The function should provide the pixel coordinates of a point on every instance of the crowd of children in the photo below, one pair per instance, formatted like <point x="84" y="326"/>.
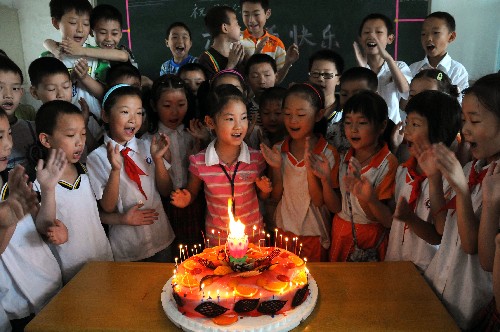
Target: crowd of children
<point x="382" y="161"/>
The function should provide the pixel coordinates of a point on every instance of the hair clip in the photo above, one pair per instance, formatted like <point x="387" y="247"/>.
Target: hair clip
<point x="439" y="76"/>
<point x="113" y="88"/>
<point x="227" y="71"/>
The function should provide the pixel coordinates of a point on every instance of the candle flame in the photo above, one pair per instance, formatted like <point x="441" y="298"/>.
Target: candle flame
<point x="236" y="228"/>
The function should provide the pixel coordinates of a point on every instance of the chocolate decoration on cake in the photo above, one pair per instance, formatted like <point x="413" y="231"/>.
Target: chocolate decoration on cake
<point x="246" y="305"/>
<point x="210" y="309"/>
<point x="271" y="307"/>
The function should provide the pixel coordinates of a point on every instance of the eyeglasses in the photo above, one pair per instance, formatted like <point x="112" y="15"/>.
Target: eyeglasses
<point x="326" y="76"/>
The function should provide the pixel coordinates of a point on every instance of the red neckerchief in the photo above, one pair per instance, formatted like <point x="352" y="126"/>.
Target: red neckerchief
<point x="133" y="171"/>
<point x="475" y="178"/>
<point x="416" y="181"/>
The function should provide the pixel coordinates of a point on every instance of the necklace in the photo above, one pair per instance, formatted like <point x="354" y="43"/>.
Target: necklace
<point x="369" y="157"/>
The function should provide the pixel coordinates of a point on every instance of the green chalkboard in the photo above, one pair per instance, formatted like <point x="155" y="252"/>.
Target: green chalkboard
<point x="311" y="24"/>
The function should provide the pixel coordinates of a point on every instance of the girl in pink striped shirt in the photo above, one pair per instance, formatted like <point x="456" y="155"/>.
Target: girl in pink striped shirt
<point x="227" y="167"/>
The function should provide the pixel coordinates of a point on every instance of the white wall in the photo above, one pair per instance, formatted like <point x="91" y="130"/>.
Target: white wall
<point x="477" y="45"/>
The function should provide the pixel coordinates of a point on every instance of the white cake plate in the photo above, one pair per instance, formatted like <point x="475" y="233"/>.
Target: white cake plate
<point x="276" y="323"/>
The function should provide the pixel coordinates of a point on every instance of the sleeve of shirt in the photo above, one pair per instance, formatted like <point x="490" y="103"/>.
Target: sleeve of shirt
<point x="462" y="79"/>
<point x="334" y="160"/>
<point x="407" y="73"/>
<point x="385" y="189"/>
<point x="193" y="166"/>
<point x="205" y="61"/>
<point x="280" y="55"/>
<point x="98" y="175"/>
<point x="163" y="69"/>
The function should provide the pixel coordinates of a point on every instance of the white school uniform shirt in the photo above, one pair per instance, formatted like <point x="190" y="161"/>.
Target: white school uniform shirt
<point x="4" y="320"/>
<point x="456" y="277"/>
<point x="388" y="90"/>
<point x="454" y="69"/>
<point x="132" y="243"/>
<point x="404" y="245"/>
<point x="29" y="271"/>
<point x="295" y="212"/>
<point x="181" y="143"/>
<point x="76" y="207"/>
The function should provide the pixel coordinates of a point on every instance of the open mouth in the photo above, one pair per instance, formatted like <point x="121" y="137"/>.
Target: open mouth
<point x="355" y="139"/>
<point x="77" y="154"/>
<point x="473" y="145"/>
<point x="107" y="45"/>
<point x="7" y="105"/>
<point x="236" y="135"/>
<point x="430" y="48"/>
<point x="2" y="159"/>
<point x="371" y="44"/>
<point x="130" y="131"/>
<point x="179" y="49"/>
<point x="78" y="39"/>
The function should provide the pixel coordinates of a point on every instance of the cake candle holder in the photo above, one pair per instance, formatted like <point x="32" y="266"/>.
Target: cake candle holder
<point x="237" y="240"/>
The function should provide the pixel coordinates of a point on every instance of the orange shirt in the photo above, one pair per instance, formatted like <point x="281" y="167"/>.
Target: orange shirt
<point x="274" y="46"/>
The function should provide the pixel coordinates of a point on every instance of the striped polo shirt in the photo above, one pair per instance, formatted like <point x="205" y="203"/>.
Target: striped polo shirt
<point x="274" y="46"/>
<point x="207" y="166"/>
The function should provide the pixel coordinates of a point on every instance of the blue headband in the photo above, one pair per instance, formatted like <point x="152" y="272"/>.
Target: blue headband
<point x="113" y="88"/>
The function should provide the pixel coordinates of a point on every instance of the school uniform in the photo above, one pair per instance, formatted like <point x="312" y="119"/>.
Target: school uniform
<point x="187" y="223"/>
<point x="274" y="47"/>
<point x="388" y="90"/>
<point x="381" y="173"/>
<point x="216" y="176"/>
<point x="132" y="243"/>
<point x="171" y="67"/>
<point x="29" y="273"/>
<point x="295" y="212"/>
<point x="454" y="69"/>
<point x="456" y="277"/>
<point x="404" y="245"/>
<point x="4" y="320"/>
<point x="77" y="209"/>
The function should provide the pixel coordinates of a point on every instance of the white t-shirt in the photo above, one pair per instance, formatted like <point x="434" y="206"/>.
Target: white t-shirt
<point x="29" y="271"/>
<point x="132" y="243"/>
<point x="456" y="277"/>
<point x="76" y="207"/>
<point x="388" y="90"/>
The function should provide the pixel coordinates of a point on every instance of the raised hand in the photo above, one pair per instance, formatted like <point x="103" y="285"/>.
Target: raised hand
<point x="320" y="166"/>
<point x="50" y="171"/>
<point x="198" y="130"/>
<point x="397" y="135"/>
<point x="21" y="195"/>
<point x="264" y="184"/>
<point x="236" y="55"/>
<point x="360" y="57"/>
<point x="426" y="159"/>
<point x="383" y="52"/>
<point x="114" y="156"/>
<point x="160" y="147"/>
<point x="260" y="45"/>
<point x="272" y="156"/>
<point x="450" y="167"/>
<point x="71" y="47"/>
<point x="85" y="110"/>
<point x="292" y="54"/>
<point x="57" y="233"/>
<point x="491" y="184"/>
<point x="136" y="217"/>
<point x="180" y="198"/>
<point x="81" y="69"/>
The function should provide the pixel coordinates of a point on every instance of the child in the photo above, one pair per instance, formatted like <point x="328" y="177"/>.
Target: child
<point x="170" y="104"/>
<point x="72" y="17"/>
<point x="438" y="31"/>
<point x="11" y="91"/>
<point x="115" y="170"/>
<point x="226" y="52"/>
<point x="123" y="73"/>
<point x="193" y="74"/>
<point x="178" y="39"/>
<point x="65" y="189"/>
<point x="241" y="168"/>
<point x="260" y="71"/>
<point x="256" y="39"/>
<point x="301" y="212"/>
<point x="271" y="115"/>
<point x="106" y="23"/>
<point x="376" y="32"/>
<point x="29" y="273"/>
<point x="367" y="171"/>
<point x="455" y="272"/>
<point x="433" y="117"/>
<point x="325" y="70"/>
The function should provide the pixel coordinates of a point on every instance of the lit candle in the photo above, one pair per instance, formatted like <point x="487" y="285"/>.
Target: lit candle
<point x="237" y="240"/>
<point x="276" y="237"/>
<point x="300" y="249"/>
<point x="286" y="243"/>
<point x="281" y="240"/>
<point x="254" y="228"/>
<point x="209" y="297"/>
<point x="195" y="249"/>
<point x="203" y="292"/>
<point x="176" y="262"/>
<point x="208" y="243"/>
<point x="268" y="243"/>
<point x="218" y="296"/>
<point x="218" y="232"/>
<point x="180" y="251"/>
<point x="187" y="250"/>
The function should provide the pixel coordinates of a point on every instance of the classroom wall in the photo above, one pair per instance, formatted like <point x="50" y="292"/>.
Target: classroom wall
<point x="477" y="46"/>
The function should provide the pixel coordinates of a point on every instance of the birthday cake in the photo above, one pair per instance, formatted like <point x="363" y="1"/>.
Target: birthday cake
<point x="270" y="281"/>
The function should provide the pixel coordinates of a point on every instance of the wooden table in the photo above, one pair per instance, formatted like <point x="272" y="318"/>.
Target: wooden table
<point x="115" y="296"/>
